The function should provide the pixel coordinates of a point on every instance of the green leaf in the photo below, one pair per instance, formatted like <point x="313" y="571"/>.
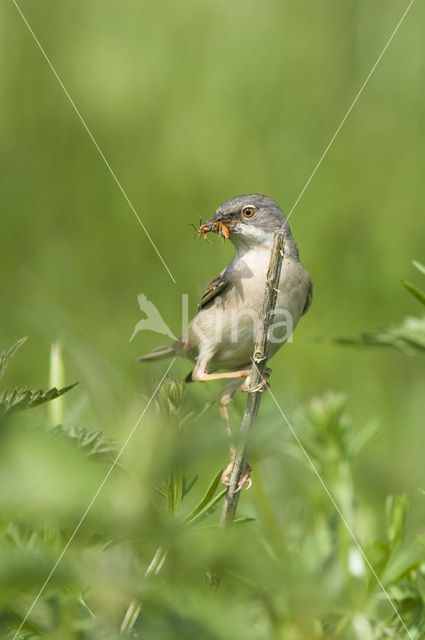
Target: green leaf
<point x="5" y="356"/>
<point x="187" y="486"/>
<point x="364" y="438"/>
<point x="408" y="336"/>
<point x="207" y="509"/>
<point x="156" y="563"/>
<point x="206" y="498"/>
<point x="21" y="399"/>
<point x="396" y="512"/>
<point x="162" y="490"/>
<point x="400" y="563"/>
<point x="130" y="618"/>
<point x="174" y="490"/>
<point x="243" y="519"/>
<point x="92" y="442"/>
<point x="419" y="266"/>
<point x="418" y="293"/>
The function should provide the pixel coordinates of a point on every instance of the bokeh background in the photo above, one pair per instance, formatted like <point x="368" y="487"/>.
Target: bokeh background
<point x="193" y="103"/>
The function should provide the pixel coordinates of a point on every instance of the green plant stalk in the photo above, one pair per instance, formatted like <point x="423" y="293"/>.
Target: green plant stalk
<point x="259" y="363"/>
<point x="56" y="379"/>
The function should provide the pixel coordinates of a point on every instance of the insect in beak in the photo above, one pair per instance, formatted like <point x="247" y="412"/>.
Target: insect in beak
<point x="201" y="229"/>
<point x="214" y="226"/>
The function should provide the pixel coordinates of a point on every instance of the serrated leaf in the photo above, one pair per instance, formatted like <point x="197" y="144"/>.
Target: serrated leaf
<point x="7" y="355"/>
<point x="93" y="443"/>
<point x="418" y="293"/>
<point x="21" y="399"/>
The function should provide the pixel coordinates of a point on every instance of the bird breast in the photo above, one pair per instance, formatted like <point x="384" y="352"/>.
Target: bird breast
<point x="224" y="331"/>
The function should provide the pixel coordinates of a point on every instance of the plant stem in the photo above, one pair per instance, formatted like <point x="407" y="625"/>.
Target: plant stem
<point x="259" y="363"/>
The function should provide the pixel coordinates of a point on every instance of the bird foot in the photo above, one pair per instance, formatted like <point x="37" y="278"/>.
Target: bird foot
<point x="245" y="478"/>
<point x="261" y="386"/>
<point x="225" y="476"/>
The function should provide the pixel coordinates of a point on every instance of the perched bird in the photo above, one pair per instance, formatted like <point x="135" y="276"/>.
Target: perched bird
<point x="222" y="334"/>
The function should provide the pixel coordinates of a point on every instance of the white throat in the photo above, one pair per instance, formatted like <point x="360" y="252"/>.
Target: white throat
<point x="252" y="237"/>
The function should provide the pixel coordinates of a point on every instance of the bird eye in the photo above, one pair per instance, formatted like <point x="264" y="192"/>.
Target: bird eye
<point x="248" y="211"/>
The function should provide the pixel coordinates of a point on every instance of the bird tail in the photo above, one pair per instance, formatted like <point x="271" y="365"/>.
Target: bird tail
<point x="160" y="352"/>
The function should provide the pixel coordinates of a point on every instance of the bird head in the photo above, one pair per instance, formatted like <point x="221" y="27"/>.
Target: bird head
<point x="247" y="220"/>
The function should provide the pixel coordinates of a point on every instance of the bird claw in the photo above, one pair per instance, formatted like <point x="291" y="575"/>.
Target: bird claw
<point x="225" y="476"/>
<point x="261" y="386"/>
<point x="245" y="478"/>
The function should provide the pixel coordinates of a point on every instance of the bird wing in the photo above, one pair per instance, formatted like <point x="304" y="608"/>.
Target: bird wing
<point x="215" y="287"/>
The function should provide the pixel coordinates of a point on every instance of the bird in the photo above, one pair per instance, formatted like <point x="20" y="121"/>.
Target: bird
<point x="221" y="338"/>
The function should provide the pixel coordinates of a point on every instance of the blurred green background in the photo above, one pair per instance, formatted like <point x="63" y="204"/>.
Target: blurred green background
<point x="192" y="103"/>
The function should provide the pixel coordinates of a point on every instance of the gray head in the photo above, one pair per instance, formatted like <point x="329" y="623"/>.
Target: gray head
<point x="250" y="219"/>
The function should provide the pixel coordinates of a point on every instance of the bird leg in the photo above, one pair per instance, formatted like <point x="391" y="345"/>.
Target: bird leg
<point x="200" y="374"/>
<point x="246" y="386"/>
<point x="203" y="376"/>
<point x="225" y="476"/>
<point x="224" y="399"/>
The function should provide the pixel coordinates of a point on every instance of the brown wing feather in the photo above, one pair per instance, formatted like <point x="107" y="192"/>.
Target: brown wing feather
<point x="215" y="287"/>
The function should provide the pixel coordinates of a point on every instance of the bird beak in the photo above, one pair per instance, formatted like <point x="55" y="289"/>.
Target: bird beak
<point x="216" y="225"/>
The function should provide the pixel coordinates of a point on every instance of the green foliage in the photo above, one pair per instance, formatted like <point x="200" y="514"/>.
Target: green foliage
<point x="398" y="562"/>
<point x="5" y="356"/>
<point x="208" y="501"/>
<point x="20" y="399"/>
<point x="170" y="404"/>
<point x="193" y="103"/>
<point x="418" y="293"/>
<point x="183" y="588"/>
<point x="407" y="335"/>
<point x="328" y="433"/>
<point x="91" y="442"/>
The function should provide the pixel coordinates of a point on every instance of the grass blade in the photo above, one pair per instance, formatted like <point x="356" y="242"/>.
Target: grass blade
<point x="418" y="293"/>
<point x="206" y="498"/>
